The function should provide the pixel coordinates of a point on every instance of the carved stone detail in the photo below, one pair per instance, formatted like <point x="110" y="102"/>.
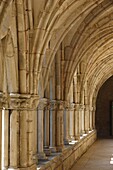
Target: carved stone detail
<point x="18" y="101"/>
<point x="43" y="104"/>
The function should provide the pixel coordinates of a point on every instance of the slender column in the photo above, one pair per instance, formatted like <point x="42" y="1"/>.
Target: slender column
<point x="5" y="138"/>
<point x="46" y="132"/>
<point x="91" y="118"/>
<point x="60" y="126"/>
<point x="53" y="125"/>
<point x="21" y="131"/>
<point x="86" y="112"/>
<point x="14" y="139"/>
<point x="72" y="120"/>
<point x="41" y="106"/>
<point x="0" y="138"/>
<point x="80" y="120"/>
<point x="66" y="125"/>
<point x="94" y="109"/>
<point x="47" y="123"/>
<point x="35" y="134"/>
<point x="82" y="115"/>
<point x="77" y="134"/>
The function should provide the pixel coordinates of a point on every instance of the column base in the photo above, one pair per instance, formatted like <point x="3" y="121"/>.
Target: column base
<point x="42" y="156"/>
<point x="32" y="167"/>
<point x="83" y="132"/>
<point x="86" y="131"/>
<point x="12" y="168"/>
<point x="72" y="138"/>
<point x="53" y="149"/>
<point x="66" y="142"/>
<point x="77" y="137"/>
<point x="60" y="148"/>
<point x="47" y="151"/>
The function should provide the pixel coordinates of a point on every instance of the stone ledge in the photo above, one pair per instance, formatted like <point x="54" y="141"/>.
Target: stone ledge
<point x="70" y="154"/>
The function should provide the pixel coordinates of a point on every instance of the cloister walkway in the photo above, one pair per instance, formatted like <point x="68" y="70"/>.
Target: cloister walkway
<point x="98" y="157"/>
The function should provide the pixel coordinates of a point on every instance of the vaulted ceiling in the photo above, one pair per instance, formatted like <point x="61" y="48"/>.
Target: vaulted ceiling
<point x="84" y="26"/>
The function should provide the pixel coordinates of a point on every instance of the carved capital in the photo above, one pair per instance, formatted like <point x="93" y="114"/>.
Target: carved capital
<point x="87" y="108"/>
<point x="60" y="105"/>
<point x="18" y="101"/>
<point x="43" y="103"/>
<point x="52" y="105"/>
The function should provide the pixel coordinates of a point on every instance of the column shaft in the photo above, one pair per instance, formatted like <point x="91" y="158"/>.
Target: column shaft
<point x="41" y="154"/>
<point x="14" y="138"/>
<point x="52" y="130"/>
<point x="66" y="127"/>
<point x="46" y="132"/>
<point x="60" y="130"/>
<point x="71" y="134"/>
<point x="23" y="138"/>
<point x="5" y="138"/>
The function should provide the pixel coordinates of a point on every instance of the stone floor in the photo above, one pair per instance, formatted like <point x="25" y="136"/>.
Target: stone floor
<point x="98" y="157"/>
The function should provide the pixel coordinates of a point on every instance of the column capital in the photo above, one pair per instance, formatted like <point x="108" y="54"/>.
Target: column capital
<point x="77" y="106"/>
<point x="91" y="108"/>
<point x="82" y="107"/>
<point x="87" y="107"/>
<point x="18" y="101"/>
<point x="56" y="105"/>
<point x="69" y="106"/>
<point x="43" y="104"/>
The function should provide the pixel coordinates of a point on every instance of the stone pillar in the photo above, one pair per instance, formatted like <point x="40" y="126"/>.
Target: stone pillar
<point x="22" y="153"/>
<point x="46" y="132"/>
<point x="0" y="137"/>
<point x="41" y="106"/>
<point x="83" y="119"/>
<point x="66" y="125"/>
<point x="91" y="119"/>
<point x="94" y="109"/>
<point x="14" y="125"/>
<point x="80" y="120"/>
<point x="5" y="139"/>
<point x="77" y="130"/>
<point x="72" y="121"/>
<point x="53" y="125"/>
<point x="60" y="127"/>
<point x="86" y="113"/>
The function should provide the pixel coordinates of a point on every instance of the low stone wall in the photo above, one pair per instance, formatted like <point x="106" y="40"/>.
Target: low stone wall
<point x="71" y="153"/>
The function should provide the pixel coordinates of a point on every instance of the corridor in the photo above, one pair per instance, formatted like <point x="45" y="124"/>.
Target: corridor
<point x="98" y="157"/>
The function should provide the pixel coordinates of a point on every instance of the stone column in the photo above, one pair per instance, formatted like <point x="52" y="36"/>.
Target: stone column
<point x="66" y="124"/>
<point x="53" y="125"/>
<point x="46" y="132"/>
<point x="41" y="106"/>
<point x="77" y="130"/>
<point x="60" y="126"/>
<point x="80" y="119"/>
<point x="91" y="119"/>
<point x="72" y="121"/>
<point x="0" y="137"/>
<point x="22" y="153"/>
<point x="86" y="113"/>
<point x="14" y="147"/>
<point x="5" y="139"/>
<point x="83" y="119"/>
<point x="94" y="109"/>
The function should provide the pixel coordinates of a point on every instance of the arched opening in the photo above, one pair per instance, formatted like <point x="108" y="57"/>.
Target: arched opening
<point x="104" y="122"/>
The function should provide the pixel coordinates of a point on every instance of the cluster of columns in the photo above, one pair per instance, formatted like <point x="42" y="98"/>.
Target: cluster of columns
<point x="59" y="123"/>
<point x="18" y="139"/>
<point x="28" y="134"/>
